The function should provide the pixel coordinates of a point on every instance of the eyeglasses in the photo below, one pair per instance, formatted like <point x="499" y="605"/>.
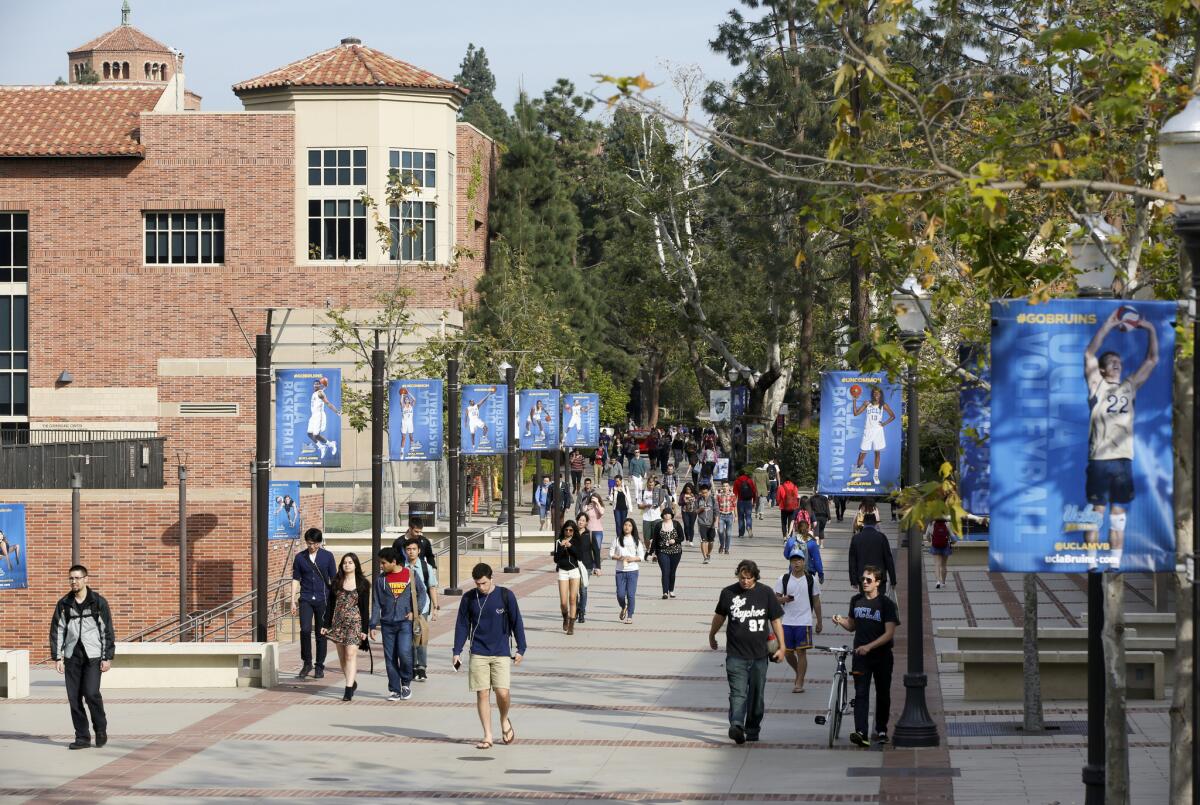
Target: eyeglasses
<point x="76" y="578"/>
<point x="869" y="580"/>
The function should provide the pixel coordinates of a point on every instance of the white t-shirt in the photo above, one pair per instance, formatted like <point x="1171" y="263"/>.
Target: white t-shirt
<point x="651" y="512"/>
<point x="798" y="612"/>
<point x="636" y="552"/>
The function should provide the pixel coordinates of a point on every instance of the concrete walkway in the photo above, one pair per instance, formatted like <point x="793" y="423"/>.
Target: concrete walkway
<point x="616" y="712"/>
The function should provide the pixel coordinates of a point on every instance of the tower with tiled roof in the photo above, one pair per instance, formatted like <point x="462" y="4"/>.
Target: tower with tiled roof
<point x="124" y="55"/>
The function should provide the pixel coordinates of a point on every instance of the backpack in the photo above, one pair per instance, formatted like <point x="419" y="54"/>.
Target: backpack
<point x="809" y="577"/>
<point x="791" y="498"/>
<point x="940" y="538"/>
<point x="802" y="516"/>
<point x="772" y="472"/>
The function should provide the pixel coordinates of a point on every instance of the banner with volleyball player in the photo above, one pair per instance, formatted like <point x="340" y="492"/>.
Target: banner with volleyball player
<point x="860" y="434"/>
<point x="308" y="417"/>
<point x="415" y="420"/>
<point x="484" y="415"/>
<point x="1081" y="468"/>
<point x="537" y="419"/>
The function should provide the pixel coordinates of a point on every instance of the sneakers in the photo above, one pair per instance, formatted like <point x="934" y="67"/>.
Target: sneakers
<point x="394" y="697"/>
<point x="101" y="739"/>
<point x="881" y="737"/>
<point x="581" y="618"/>
<point x="333" y="451"/>
<point x="319" y="673"/>
<point x="858" y="739"/>
<point x="405" y="693"/>
<point x="739" y="735"/>
<point x="305" y="671"/>
<point x="421" y="676"/>
<point x="705" y="562"/>
<point x="672" y="593"/>
<point x="80" y="743"/>
<point x="937" y="586"/>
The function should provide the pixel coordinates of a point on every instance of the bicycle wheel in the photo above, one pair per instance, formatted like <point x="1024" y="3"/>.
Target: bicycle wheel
<point x="835" y="710"/>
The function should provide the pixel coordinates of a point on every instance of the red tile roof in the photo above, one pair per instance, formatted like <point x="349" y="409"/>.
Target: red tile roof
<point x="73" y="120"/>
<point x="349" y="65"/>
<point x="123" y="37"/>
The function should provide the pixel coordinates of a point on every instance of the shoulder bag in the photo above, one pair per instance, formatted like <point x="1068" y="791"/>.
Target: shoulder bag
<point x="420" y="622"/>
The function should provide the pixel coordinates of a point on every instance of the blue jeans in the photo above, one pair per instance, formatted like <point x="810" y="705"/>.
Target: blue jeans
<point x="725" y="531"/>
<point x="397" y="640"/>
<point x="747" y="686"/>
<point x="620" y="515"/>
<point x="668" y="563"/>
<point x="627" y="590"/>
<point x="420" y="657"/>
<point x="598" y="538"/>
<point x="745" y="513"/>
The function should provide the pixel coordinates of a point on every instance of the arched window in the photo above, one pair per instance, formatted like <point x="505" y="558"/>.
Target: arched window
<point x="107" y="69"/>
<point x="162" y="71"/>
<point x="147" y="69"/>
<point x="154" y="71"/>
<point x="125" y="70"/>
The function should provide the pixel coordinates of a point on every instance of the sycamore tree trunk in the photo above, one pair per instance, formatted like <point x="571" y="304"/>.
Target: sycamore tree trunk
<point x="803" y="365"/>
<point x="653" y="375"/>
<point x="1116" y="737"/>
<point x="1182" y="729"/>
<point x="1031" y="673"/>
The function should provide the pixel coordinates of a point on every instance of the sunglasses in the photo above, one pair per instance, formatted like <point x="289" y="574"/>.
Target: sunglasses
<point x="869" y="580"/>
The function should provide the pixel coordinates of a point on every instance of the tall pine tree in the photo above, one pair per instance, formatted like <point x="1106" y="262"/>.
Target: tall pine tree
<point x="481" y="109"/>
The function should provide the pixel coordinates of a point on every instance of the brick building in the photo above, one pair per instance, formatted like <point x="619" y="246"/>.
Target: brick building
<point x="133" y="226"/>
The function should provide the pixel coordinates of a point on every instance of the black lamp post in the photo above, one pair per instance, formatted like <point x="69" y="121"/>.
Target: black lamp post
<point x="733" y="375"/>
<point x="915" y="727"/>
<point x="510" y="466"/>
<point x="502" y="517"/>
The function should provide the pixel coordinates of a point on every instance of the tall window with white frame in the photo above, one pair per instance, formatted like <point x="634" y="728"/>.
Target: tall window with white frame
<point x="14" y="314"/>
<point x="414" y="222"/>
<point x="337" y="219"/>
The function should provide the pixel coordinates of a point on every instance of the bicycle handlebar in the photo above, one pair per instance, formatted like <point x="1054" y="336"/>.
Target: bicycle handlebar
<point x="835" y="649"/>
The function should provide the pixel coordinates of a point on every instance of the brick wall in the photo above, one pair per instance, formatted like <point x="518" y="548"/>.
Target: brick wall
<point x="476" y="170"/>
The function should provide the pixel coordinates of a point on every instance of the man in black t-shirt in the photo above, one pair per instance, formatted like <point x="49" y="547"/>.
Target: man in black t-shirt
<point x="754" y="615"/>
<point x="873" y="618"/>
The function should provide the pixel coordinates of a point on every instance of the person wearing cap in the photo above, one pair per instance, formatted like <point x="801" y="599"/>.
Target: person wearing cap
<point x="799" y="592"/>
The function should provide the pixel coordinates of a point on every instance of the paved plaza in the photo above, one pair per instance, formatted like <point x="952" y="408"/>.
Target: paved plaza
<point x="627" y="713"/>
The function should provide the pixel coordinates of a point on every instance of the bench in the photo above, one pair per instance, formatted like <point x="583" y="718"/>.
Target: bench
<point x="1011" y="638"/>
<point x="969" y="553"/>
<point x="14" y="674"/>
<point x="998" y="675"/>
<point x="194" y="665"/>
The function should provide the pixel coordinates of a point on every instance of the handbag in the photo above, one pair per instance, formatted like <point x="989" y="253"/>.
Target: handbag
<point x="420" y="622"/>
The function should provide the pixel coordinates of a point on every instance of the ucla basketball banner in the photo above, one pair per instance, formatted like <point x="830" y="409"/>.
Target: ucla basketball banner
<point x="860" y="434"/>
<point x="581" y="420"/>
<point x="1081" y="436"/>
<point x="974" y="462"/>
<point x="484" y="415"/>
<point x="537" y="419"/>
<point x="14" y="575"/>
<point x="415" y="420"/>
<point x="285" y="520"/>
<point x="308" y="417"/>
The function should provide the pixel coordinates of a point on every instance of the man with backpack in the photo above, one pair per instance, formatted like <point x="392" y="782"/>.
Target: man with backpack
<point x="416" y="563"/>
<point x="941" y="545"/>
<point x="746" y="492"/>
<point x="818" y="504"/>
<point x="799" y="592"/>
<point x="788" y="499"/>
<point x="772" y="481"/>
<point x="82" y="646"/>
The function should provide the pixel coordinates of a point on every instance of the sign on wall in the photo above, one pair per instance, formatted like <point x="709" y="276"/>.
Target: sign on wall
<point x="285" y="520"/>
<point x="415" y="420"/>
<point x="537" y="419"/>
<point x="1081" y="455"/>
<point x="720" y="403"/>
<point x="484" y="414"/>
<point x="860" y="434"/>
<point x="308" y="417"/>
<point x="974" y="448"/>
<point x="581" y="420"/>
<point x="14" y="574"/>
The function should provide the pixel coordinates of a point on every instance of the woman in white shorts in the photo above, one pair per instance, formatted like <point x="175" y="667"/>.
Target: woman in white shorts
<point x="568" y="560"/>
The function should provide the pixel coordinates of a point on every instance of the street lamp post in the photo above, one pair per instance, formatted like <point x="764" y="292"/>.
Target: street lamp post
<point x="502" y="517"/>
<point x="510" y="466"/>
<point x="915" y="727"/>
<point x="733" y="375"/>
<point x="538" y="371"/>
<point x="1179" y="148"/>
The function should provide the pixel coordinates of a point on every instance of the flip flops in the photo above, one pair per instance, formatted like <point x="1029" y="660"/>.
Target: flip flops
<point x="484" y="745"/>
<point x="509" y="735"/>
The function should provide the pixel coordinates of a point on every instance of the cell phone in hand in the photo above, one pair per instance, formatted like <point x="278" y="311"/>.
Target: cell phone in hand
<point x="457" y="666"/>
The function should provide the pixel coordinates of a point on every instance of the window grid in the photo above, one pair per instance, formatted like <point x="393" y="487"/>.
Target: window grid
<point x="414" y="231"/>
<point x="337" y="166"/>
<point x="14" y="247"/>
<point x="415" y="167"/>
<point x="14" y="355"/>
<point x="185" y="237"/>
<point x="337" y="230"/>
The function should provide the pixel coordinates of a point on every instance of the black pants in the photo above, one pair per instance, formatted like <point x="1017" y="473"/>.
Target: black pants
<point x="819" y="526"/>
<point x="875" y="665"/>
<point x="83" y="686"/>
<point x="785" y="518"/>
<point x="312" y="611"/>
<point x="668" y="564"/>
<point x="576" y="480"/>
<point x="839" y="507"/>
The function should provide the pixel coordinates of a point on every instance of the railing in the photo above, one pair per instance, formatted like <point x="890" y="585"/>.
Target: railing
<point x="70" y="436"/>
<point x="49" y="461"/>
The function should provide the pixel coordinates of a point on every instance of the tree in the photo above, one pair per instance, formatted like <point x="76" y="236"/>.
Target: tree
<point x="481" y="109"/>
<point x="88" y="76"/>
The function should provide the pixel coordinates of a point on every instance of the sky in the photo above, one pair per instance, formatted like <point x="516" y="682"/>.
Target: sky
<point x="529" y="43"/>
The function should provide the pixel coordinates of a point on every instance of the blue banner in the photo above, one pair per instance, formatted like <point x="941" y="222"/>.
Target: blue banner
<point x="14" y="574"/>
<point x="1081" y="450"/>
<point x="974" y="463"/>
<point x="415" y="420"/>
<point x="741" y="400"/>
<point x="308" y="417"/>
<point x="484" y="417"/>
<point x="581" y="420"/>
<point x="860" y="434"/>
<point x="286" y="522"/>
<point x="537" y="419"/>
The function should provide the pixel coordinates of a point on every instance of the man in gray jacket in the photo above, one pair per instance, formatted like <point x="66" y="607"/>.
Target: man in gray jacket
<point x="706" y="520"/>
<point x="82" y="647"/>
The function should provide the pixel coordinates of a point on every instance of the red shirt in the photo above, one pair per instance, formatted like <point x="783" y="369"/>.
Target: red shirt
<point x="744" y="488"/>
<point x="397" y="581"/>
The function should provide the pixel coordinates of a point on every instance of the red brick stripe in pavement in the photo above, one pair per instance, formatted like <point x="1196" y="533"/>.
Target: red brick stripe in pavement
<point x="402" y="794"/>
<point x="1062" y="608"/>
<point x="1016" y="612"/>
<point x="966" y="602"/>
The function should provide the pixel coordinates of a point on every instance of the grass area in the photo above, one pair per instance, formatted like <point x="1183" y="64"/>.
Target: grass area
<point x="346" y="522"/>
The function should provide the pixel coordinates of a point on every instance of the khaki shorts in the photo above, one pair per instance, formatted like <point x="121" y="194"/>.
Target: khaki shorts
<point x="486" y="673"/>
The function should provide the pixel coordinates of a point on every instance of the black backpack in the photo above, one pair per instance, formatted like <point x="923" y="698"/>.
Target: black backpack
<point x="809" y="576"/>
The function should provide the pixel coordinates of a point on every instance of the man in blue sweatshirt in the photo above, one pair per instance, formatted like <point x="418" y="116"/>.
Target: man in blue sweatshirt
<point x="392" y="613"/>
<point x="490" y="618"/>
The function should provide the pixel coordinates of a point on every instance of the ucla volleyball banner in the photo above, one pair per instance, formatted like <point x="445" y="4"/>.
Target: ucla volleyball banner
<point x="860" y="434"/>
<point x="581" y="420"/>
<point x="974" y="449"/>
<point x="537" y="419"/>
<point x="308" y="417"/>
<point x="285" y="520"/>
<point x="484" y="414"/>
<point x="415" y="420"/>
<point x="1081" y="436"/>
<point x="14" y="575"/>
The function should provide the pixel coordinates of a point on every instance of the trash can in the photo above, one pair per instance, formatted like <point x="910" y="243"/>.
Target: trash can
<point x="422" y="513"/>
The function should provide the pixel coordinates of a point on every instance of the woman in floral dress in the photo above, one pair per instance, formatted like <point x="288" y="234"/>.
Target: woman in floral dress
<point x="347" y="620"/>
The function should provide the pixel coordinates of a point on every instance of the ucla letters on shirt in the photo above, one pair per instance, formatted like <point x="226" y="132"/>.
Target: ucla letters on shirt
<point x="870" y="615"/>
<point x="748" y="615"/>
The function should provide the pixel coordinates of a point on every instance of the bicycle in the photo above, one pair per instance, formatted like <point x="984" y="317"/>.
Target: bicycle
<point x="839" y="702"/>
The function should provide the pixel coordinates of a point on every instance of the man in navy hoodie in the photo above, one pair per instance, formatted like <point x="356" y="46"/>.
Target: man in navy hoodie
<point x="490" y="618"/>
<point x="392" y="613"/>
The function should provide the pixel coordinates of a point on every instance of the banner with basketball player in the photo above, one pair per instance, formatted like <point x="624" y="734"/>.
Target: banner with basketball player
<point x="1081" y="453"/>
<point x="285" y="520"/>
<point x="537" y="419"/>
<point x="308" y="417"/>
<point x="581" y="420"/>
<point x="415" y="420"/>
<point x="860" y="434"/>
<point x="14" y="575"/>
<point x="974" y="450"/>
<point x="484" y="414"/>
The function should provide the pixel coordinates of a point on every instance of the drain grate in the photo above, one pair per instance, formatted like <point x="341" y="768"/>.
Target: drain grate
<point x="902" y="771"/>
<point x="973" y="729"/>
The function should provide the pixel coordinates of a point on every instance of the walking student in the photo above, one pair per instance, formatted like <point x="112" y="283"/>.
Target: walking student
<point x="799" y="594"/>
<point x="490" y="620"/>
<point x="819" y="506"/>
<point x="687" y="507"/>
<point x="726" y="504"/>
<point x="392" y="612"/>
<point x="754" y="615"/>
<point x="706" y="521"/>
<point x="787" y="497"/>
<point x="627" y="551"/>
<point x="417" y="563"/>
<point x="622" y="502"/>
<point x="869" y="547"/>
<point x="941" y="545"/>
<point x="745" y="492"/>
<point x="667" y="545"/>
<point x="873" y="618"/>
<point x="312" y="575"/>
<point x="82" y="645"/>
<point x="542" y="498"/>
<point x="587" y="567"/>
<point x="595" y="519"/>
<point x="348" y="619"/>
<point x="568" y="561"/>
